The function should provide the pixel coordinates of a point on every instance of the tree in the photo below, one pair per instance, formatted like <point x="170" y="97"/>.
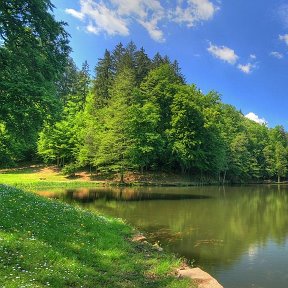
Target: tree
<point x="128" y="59"/>
<point x="186" y="133"/>
<point x="275" y="153"/>
<point x="281" y="160"/>
<point x="240" y="156"/>
<point x="214" y="158"/>
<point x="112" y="141"/>
<point x="60" y="140"/>
<point x="258" y="140"/>
<point x="82" y="85"/>
<point x="103" y="80"/>
<point x="117" y="58"/>
<point x="146" y="143"/>
<point x="159" y="88"/>
<point x="66" y="83"/>
<point x="33" y="54"/>
<point x="142" y="65"/>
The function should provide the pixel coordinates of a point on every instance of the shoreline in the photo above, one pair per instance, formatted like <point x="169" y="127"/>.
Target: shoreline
<point x="34" y="176"/>
<point x="78" y="247"/>
<point x="199" y="278"/>
<point x="36" y="183"/>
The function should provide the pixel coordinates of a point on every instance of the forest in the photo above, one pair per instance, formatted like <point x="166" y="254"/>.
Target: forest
<point x="133" y="113"/>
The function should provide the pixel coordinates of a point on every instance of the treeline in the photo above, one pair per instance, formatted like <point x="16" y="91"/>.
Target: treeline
<point x="139" y="114"/>
<point x="136" y="113"/>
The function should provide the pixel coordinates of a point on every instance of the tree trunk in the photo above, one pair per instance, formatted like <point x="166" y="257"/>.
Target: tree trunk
<point x="279" y="179"/>
<point x="224" y="177"/>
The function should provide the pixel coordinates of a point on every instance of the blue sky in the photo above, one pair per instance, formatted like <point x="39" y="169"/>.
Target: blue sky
<point x="237" y="47"/>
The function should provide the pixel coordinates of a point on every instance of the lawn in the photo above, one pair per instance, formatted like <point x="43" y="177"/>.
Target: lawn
<point x="45" y="243"/>
<point x="41" y="176"/>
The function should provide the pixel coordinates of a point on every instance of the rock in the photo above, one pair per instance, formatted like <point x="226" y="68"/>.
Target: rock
<point x="138" y="238"/>
<point x="157" y="247"/>
<point x="202" y="279"/>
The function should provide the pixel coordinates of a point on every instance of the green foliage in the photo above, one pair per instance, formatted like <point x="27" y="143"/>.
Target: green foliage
<point x="33" y="53"/>
<point x="146" y="145"/>
<point x="103" y="80"/>
<point x="140" y="115"/>
<point x="60" y="141"/>
<point x="281" y="160"/>
<point x="70" y="169"/>
<point x="113" y="139"/>
<point x="136" y="114"/>
<point x="186" y="133"/>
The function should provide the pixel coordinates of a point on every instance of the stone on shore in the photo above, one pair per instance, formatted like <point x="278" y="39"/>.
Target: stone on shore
<point x="201" y="278"/>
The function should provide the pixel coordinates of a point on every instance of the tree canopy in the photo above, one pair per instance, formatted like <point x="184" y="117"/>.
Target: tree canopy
<point x="33" y="53"/>
<point x="137" y="113"/>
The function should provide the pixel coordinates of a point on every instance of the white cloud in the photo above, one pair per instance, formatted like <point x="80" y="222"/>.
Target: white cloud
<point x="153" y="30"/>
<point x="247" y="68"/>
<point x="277" y="55"/>
<point x="92" y="29"/>
<point x="229" y="55"/>
<point x="103" y="19"/>
<point x="283" y="13"/>
<point x="252" y="116"/>
<point x="284" y="38"/>
<point x="115" y="17"/>
<point x="224" y="53"/>
<point x="75" y="13"/>
<point x="194" y="11"/>
<point x="146" y="12"/>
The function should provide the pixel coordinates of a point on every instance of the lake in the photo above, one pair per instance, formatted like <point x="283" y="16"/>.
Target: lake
<point x="237" y="234"/>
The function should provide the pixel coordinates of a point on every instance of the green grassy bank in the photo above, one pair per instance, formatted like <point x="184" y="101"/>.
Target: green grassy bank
<point x="41" y="176"/>
<point x="45" y="243"/>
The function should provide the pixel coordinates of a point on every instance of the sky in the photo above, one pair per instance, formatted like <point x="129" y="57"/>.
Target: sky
<point x="238" y="48"/>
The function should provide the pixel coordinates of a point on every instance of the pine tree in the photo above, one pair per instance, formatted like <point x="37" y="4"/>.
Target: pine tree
<point x="103" y="80"/>
<point x="142" y="65"/>
<point x="66" y="84"/>
<point x="114" y="140"/>
<point x="117" y="58"/>
<point x="82" y="85"/>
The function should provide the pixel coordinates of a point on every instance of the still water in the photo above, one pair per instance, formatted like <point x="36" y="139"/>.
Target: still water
<point x="237" y="234"/>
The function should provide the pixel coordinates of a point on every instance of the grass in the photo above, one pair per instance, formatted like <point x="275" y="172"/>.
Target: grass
<point x="41" y="176"/>
<point x="32" y="174"/>
<point x="45" y="243"/>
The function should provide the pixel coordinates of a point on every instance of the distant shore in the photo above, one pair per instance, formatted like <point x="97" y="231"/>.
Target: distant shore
<point x="33" y="176"/>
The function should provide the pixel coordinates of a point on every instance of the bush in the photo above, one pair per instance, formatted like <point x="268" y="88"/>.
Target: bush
<point x="70" y="170"/>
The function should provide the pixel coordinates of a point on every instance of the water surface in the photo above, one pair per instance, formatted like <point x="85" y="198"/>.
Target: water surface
<point x="237" y="234"/>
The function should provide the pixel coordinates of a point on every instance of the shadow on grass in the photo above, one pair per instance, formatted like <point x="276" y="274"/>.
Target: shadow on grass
<point x="29" y="169"/>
